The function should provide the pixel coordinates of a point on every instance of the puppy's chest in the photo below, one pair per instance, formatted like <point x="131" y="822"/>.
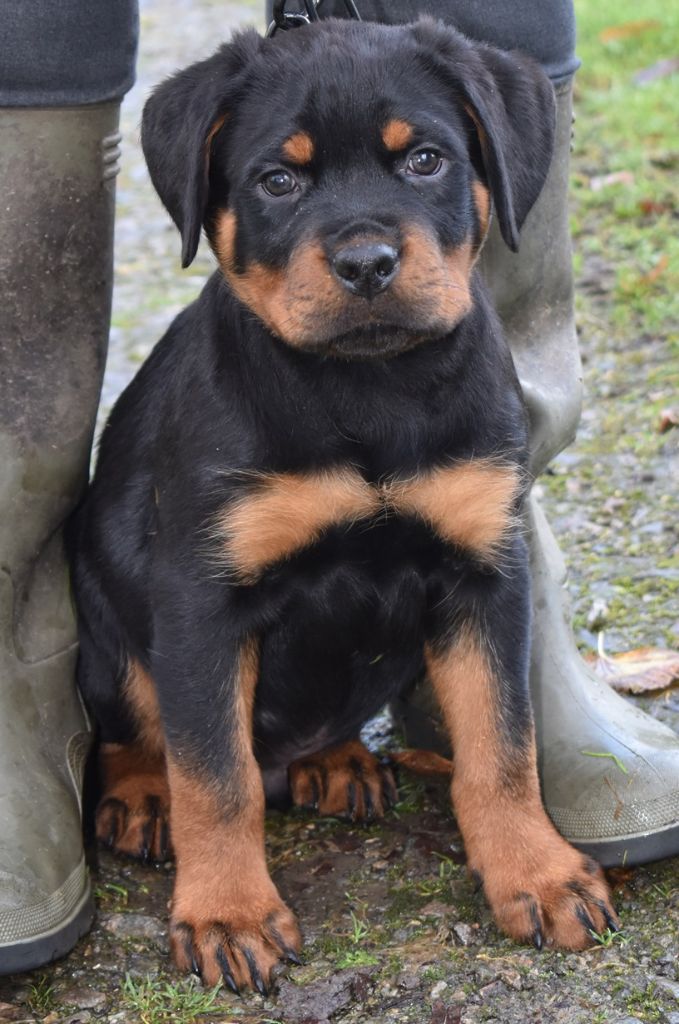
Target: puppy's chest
<point x="469" y="505"/>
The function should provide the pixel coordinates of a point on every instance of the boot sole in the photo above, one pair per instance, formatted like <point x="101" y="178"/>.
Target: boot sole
<point x="631" y="850"/>
<point x="41" y="949"/>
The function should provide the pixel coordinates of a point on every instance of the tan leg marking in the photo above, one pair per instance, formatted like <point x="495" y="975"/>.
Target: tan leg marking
<point x="299" y="148"/>
<point x="139" y="691"/>
<point x="397" y="134"/>
<point x="287" y="512"/>
<point x="346" y="781"/>
<point x="468" y="504"/>
<point x="227" y="917"/>
<point x="536" y="883"/>
<point x="133" y="814"/>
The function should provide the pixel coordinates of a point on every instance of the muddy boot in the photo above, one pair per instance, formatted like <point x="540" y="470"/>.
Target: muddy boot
<point x="619" y="815"/>
<point x="57" y="176"/>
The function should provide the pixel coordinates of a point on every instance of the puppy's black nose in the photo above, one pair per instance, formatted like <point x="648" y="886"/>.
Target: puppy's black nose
<point x="366" y="268"/>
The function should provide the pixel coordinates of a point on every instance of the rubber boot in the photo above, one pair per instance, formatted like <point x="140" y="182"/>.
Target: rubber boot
<point x="619" y="815"/>
<point x="57" y="183"/>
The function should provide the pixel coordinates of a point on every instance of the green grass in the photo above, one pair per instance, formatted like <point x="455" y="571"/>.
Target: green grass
<point x="623" y="126"/>
<point x="157" y="1001"/>
<point x="41" y="998"/>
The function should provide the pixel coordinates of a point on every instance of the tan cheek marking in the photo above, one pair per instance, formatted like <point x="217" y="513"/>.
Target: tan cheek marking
<point x="289" y="302"/>
<point x="299" y="148"/>
<point x="287" y="513"/>
<point x="482" y="203"/>
<point x="140" y="692"/>
<point x="433" y="283"/>
<point x="469" y="505"/>
<point x="396" y="135"/>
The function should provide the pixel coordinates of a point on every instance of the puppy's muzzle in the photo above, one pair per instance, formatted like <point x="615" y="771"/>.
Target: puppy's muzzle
<point x="366" y="268"/>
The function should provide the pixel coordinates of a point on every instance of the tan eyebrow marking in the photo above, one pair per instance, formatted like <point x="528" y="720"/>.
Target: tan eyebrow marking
<point x="299" y="148"/>
<point x="397" y="134"/>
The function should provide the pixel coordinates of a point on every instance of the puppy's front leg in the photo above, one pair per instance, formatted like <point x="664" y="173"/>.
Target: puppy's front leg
<point x="228" y="921"/>
<point x="539" y="887"/>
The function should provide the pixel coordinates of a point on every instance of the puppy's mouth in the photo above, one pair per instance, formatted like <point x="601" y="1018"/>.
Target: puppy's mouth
<point x="375" y="341"/>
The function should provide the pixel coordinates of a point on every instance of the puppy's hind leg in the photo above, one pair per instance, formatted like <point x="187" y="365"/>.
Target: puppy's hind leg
<point x="133" y="814"/>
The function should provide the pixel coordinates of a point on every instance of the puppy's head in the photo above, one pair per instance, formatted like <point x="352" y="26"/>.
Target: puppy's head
<point x="344" y="174"/>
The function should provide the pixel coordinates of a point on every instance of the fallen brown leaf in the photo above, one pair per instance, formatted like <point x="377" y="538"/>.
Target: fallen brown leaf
<point x="652" y="206"/>
<point x="657" y="271"/>
<point x="668" y="418"/>
<point x="640" y="671"/>
<point x="628" y="30"/>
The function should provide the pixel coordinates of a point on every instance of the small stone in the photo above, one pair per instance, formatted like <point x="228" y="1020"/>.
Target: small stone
<point x="438" y="989"/>
<point x="670" y="988"/>
<point x="464" y="933"/>
<point x="496" y="988"/>
<point x="512" y="979"/>
<point x="81" y="1017"/>
<point x="673" y="1018"/>
<point x="408" y="980"/>
<point x="136" y="926"/>
<point x="441" y="1014"/>
<point x="8" y="1011"/>
<point x="380" y="865"/>
<point x="435" y="909"/>
<point x="83" y="998"/>
<point x="627" y="1020"/>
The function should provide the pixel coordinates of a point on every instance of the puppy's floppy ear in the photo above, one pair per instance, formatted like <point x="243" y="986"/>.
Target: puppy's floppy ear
<point x="510" y="101"/>
<point x="179" y="122"/>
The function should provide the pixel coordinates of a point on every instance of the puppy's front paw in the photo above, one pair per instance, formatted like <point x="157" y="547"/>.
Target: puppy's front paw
<point x="239" y="945"/>
<point x="563" y="900"/>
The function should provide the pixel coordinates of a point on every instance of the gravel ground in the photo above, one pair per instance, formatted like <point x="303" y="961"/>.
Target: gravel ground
<point x="393" y="929"/>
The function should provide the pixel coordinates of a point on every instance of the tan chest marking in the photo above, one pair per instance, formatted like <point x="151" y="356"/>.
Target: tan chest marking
<point x="468" y="504"/>
<point x="287" y="512"/>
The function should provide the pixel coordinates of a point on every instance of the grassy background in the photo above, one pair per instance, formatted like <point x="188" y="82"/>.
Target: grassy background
<point x="613" y="495"/>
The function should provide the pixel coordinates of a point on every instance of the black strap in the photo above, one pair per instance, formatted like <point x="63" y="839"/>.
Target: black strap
<point x="283" y="19"/>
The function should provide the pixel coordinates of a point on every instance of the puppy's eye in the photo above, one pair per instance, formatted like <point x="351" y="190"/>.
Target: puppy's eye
<point x="424" y="161"/>
<point x="278" y="183"/>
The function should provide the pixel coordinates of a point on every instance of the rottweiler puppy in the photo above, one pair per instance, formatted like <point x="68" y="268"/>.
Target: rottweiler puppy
<point x="311" y="494"/>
